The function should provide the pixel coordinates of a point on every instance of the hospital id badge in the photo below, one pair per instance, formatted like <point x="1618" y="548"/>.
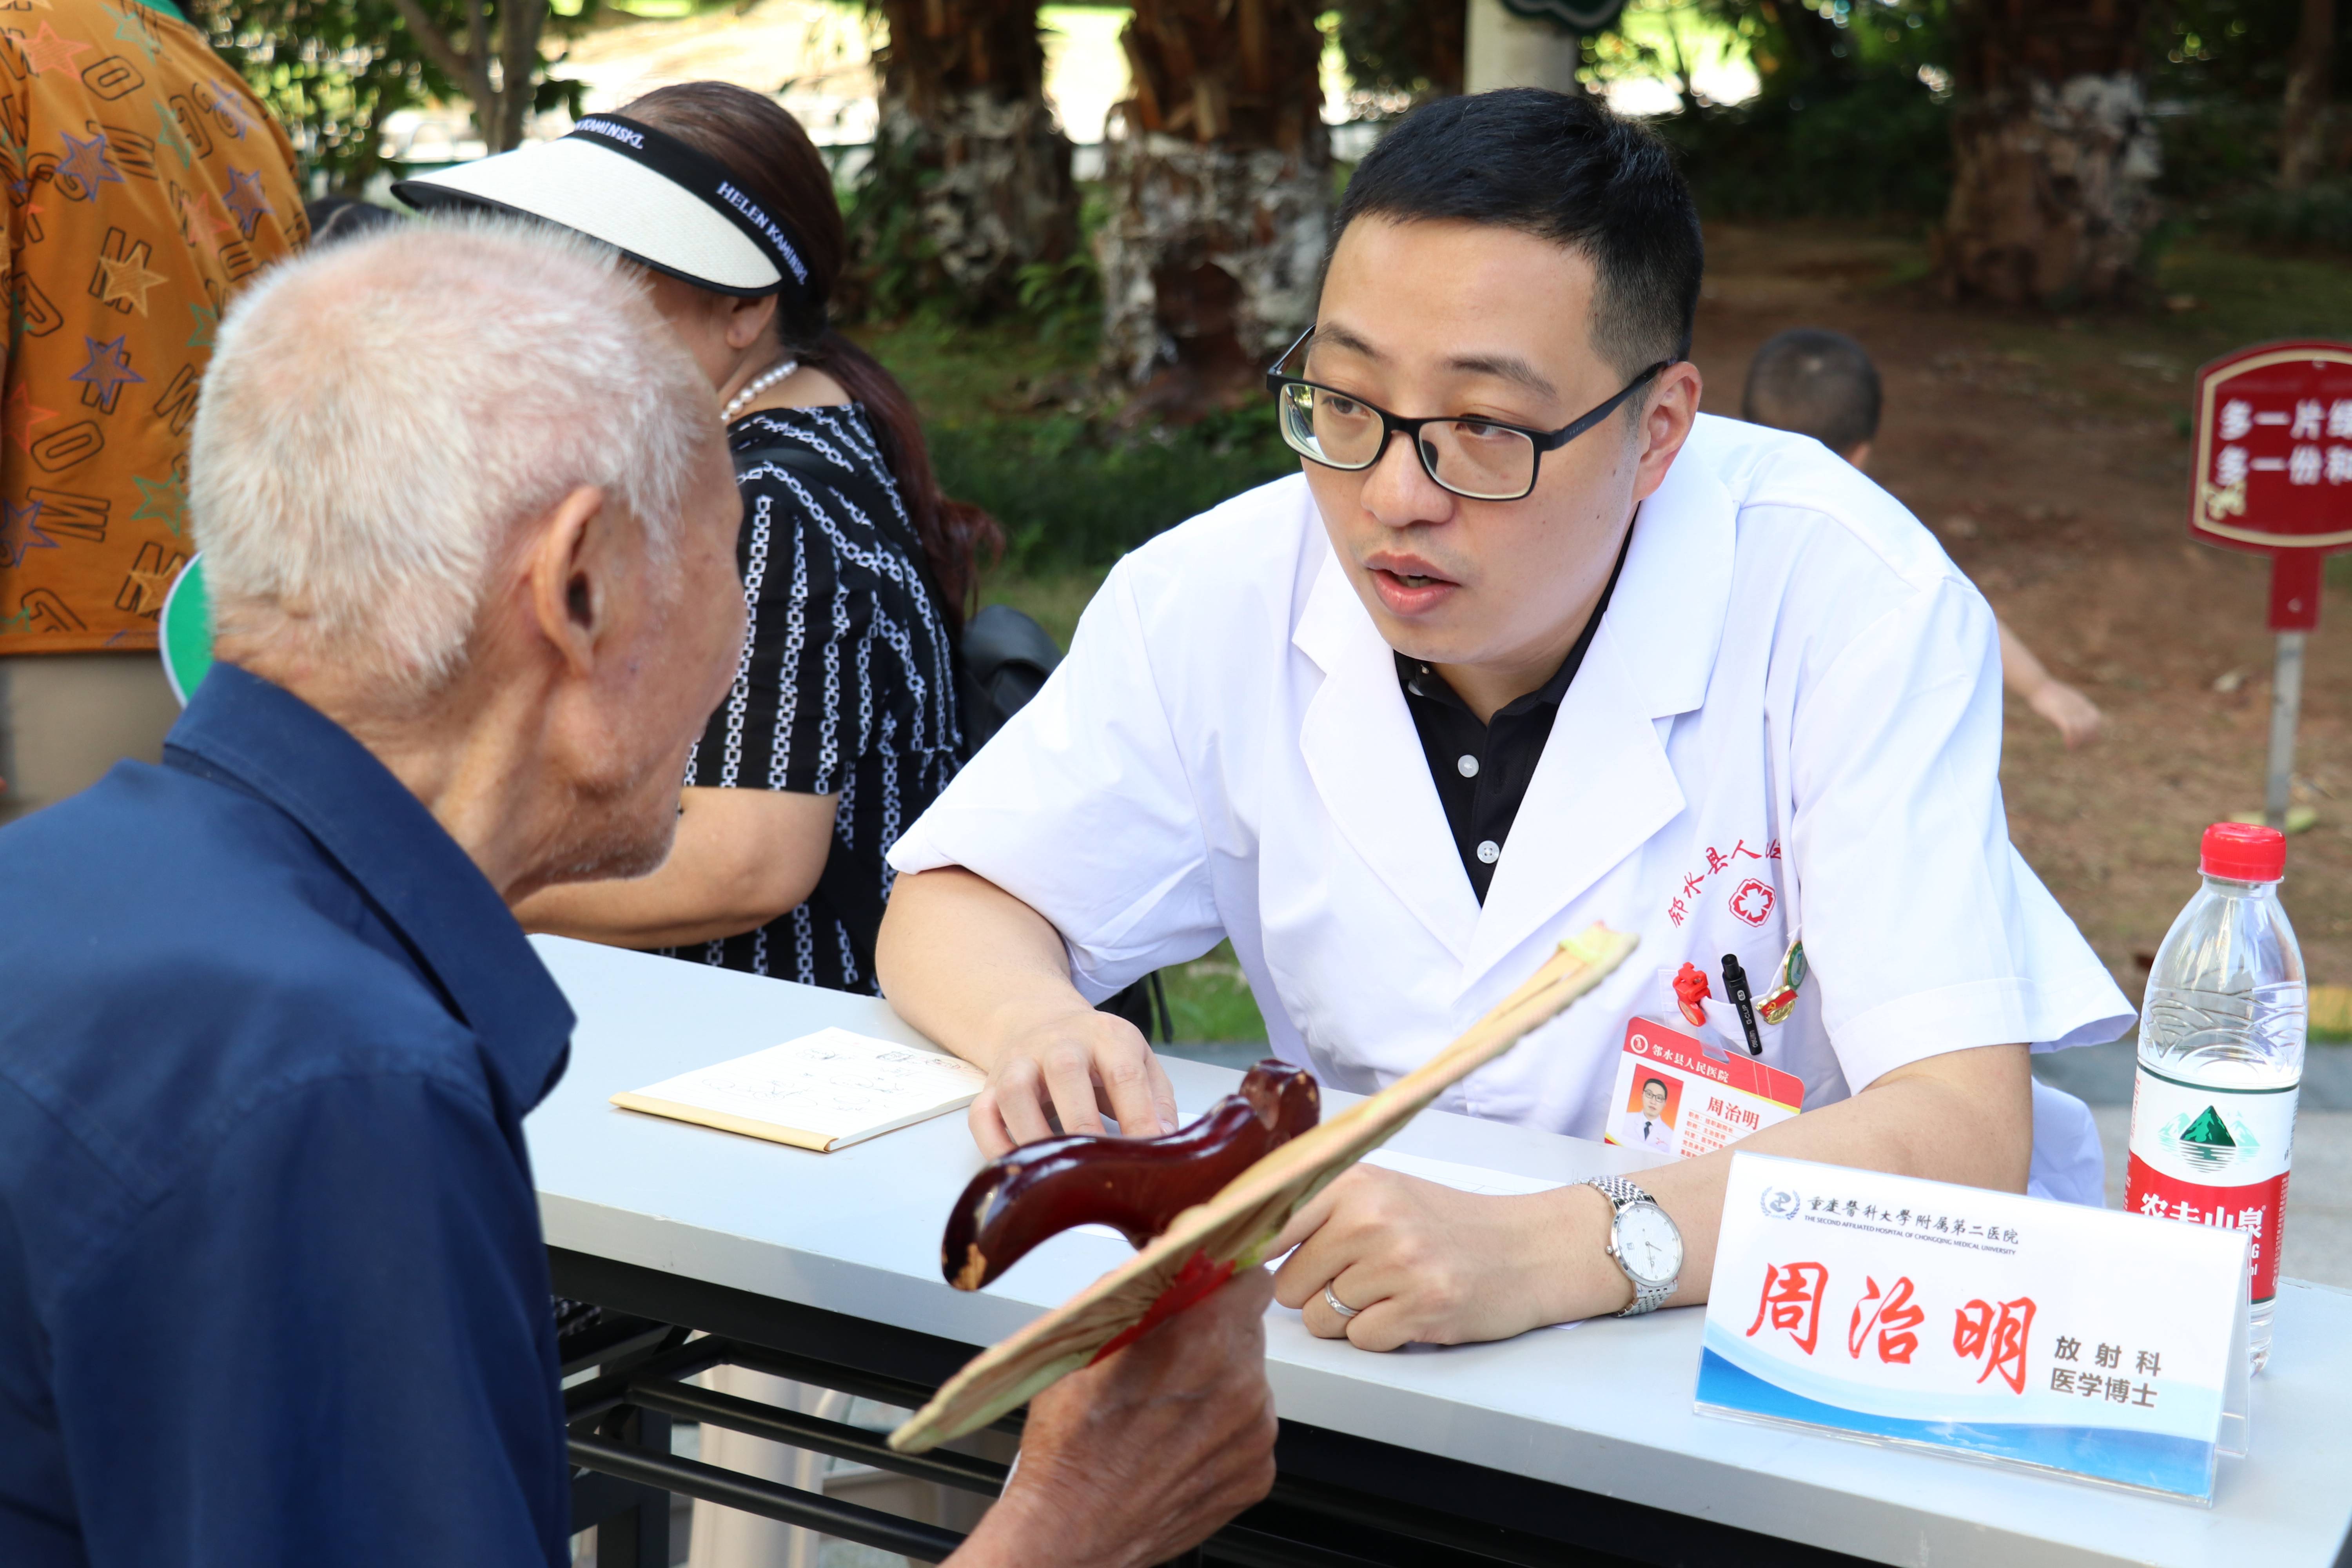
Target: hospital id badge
<point x="1676" y="1095"/>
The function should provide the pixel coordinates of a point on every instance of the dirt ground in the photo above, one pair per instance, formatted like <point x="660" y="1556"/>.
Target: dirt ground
<point x="2051" y="457"/>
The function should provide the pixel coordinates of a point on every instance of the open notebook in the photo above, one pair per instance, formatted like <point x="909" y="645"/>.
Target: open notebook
<point x="822" y="1092"/>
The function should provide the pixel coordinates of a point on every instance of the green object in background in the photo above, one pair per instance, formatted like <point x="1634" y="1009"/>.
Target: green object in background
<point x="1208" y="1000"/>
<point x="187" y="637"/>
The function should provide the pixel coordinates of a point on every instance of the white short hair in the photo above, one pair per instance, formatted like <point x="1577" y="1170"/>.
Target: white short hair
<point x="381" y="417"/>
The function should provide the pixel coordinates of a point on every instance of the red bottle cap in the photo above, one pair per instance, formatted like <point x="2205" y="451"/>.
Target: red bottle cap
<point x="2243" y="852"/>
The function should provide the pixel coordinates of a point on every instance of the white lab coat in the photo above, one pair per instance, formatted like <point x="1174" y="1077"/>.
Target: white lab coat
<point x="1790" y="716"/>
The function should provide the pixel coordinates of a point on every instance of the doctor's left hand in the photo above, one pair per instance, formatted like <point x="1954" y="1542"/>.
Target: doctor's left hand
<point x="1424" y="1262"/>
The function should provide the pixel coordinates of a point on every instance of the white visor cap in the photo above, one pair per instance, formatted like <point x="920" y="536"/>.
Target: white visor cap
<point x="587" y="186"/>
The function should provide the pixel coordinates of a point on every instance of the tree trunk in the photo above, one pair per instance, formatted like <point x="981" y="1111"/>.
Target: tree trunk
<point x="1220" y="199"/>
<point x="1502" y="49"/>
<point x="2302" y="129"/>
<point x="968" y="142"/>
<point x="502" y="78"/>
<point x="2053" y="152"/>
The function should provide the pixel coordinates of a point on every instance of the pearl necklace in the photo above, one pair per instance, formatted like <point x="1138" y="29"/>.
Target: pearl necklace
<point x="766" y="379"/>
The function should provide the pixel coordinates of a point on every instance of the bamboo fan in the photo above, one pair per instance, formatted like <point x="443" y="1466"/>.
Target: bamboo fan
<point x="1207" y="1243"/>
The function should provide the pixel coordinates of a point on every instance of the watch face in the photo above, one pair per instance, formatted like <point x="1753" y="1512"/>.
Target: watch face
<point x="1648" y="1244"/>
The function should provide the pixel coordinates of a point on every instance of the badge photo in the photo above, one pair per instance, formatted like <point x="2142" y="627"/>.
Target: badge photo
<point x="1675" y="1095"/>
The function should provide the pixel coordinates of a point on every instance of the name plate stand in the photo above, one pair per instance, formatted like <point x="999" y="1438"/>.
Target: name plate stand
<point x="2089" y="1342"/>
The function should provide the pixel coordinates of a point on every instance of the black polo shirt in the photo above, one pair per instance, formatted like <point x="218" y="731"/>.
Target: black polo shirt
<point x="1482" y="770"/>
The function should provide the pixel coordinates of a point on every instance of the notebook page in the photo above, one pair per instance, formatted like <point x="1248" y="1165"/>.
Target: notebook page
<point x="821" y="1092"/>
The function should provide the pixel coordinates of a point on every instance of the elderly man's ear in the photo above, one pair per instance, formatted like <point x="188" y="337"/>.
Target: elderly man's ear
<point x="574" y="568"/>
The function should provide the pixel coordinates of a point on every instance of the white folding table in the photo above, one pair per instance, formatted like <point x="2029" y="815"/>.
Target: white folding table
<point x="1565" y="1445"/>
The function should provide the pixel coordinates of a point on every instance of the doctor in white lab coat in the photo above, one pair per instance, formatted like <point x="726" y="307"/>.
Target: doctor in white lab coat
<point x="1645" y="1126"/>
<point x="1783" y="714"/>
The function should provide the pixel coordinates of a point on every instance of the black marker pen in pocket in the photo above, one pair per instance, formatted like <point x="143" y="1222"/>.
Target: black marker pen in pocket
<point x="1735" y="986"/>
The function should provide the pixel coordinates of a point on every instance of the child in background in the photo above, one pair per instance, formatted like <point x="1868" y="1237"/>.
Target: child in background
<point x="1822" y="383"/>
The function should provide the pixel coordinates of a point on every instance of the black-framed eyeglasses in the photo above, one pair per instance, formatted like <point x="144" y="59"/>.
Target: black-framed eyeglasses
<point x="1481" y="459"/>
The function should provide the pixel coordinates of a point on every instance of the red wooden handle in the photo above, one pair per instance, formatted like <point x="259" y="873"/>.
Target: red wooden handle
<point x="1134" y="1184"/>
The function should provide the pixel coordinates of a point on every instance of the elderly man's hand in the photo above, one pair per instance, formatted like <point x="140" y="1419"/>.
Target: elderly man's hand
<point x="1145" y="1455"/>
<point x="1419" y="1261"/>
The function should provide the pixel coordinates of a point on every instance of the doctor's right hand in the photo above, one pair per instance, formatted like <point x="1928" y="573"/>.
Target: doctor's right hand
<point x="1089" y="1071"/>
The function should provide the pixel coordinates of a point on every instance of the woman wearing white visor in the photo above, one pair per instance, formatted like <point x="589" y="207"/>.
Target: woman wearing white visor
<point x="843" y="724"/>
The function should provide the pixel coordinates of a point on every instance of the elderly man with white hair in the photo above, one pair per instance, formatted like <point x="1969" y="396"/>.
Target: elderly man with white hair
<point x="272" y="1286"/>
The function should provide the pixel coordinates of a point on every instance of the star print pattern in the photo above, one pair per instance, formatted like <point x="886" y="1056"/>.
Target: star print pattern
<point x="246" y="200"/>
<point x="85" y="161"/>
<point x="199" y="226"/>
<point x="235" y="118"/>
<point x="165" y="502"/>
<point x="127" y="282"/>
<point x="103" y="376"/>
<point x="21" y="416"/>
<point x="20" y="532"/>
<point x="168" y="136"/>
<point x="131" y="27"/>
<point x="47" y="52"/>
<point x="131" y="234"/>
<point x="150" y="589"/>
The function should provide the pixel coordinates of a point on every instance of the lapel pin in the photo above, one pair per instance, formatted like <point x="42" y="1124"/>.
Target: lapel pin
<point x="1781" y="1000"/>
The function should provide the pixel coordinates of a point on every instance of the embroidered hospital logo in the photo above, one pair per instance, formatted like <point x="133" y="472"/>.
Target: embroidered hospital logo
<point x="1752" y="902"/>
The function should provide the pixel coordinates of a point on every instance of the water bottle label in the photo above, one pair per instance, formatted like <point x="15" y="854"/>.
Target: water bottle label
<point x="2213" y="1156"/>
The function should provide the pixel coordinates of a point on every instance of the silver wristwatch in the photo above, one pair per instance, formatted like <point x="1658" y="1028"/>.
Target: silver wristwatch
<point x="1644" y="1241"/>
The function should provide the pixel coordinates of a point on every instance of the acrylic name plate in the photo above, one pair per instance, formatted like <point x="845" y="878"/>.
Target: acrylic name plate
<point x="2088" y="1342"/>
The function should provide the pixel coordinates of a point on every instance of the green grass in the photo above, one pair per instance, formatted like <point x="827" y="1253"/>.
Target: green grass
<point x="1208" y="1000"/>
<point x="960" y="374"/>
<point x="2242" y="298"/>
<point x="1054" y="596"/>
<point x="1018" y="425"/>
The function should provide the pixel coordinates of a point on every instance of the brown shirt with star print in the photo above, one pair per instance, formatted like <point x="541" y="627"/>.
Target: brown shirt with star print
<point x="146" y="184"/>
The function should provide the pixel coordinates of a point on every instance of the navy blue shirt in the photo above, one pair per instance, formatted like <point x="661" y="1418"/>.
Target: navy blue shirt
<point x="272" y="1286"/>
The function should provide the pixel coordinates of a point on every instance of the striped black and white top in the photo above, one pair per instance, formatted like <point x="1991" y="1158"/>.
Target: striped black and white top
<point x="846" y="685"/>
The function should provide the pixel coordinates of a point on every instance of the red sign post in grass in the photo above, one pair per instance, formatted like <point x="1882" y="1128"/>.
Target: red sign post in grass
<point x="2274" y="431"/>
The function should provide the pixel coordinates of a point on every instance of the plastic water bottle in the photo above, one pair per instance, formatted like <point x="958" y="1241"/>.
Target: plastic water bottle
<point x="2221" y="1058"/>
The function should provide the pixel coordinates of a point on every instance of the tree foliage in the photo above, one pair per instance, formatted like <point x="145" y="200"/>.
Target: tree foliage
<point x="1852" y="115"/>
<point x="334" y="70"/>
<point x="491" y="49"/>
<point x="1815" y="50"/>
<point x="1400" y="52"/>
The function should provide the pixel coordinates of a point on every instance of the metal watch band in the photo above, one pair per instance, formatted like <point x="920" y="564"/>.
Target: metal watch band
<point x="1647" y="1297"/>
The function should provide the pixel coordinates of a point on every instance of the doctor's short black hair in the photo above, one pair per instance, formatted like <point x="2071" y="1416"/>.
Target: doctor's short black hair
<point x="1817" y="382"/>
<point x="1564" y="169"/>
<point x="1660" y="1084"/>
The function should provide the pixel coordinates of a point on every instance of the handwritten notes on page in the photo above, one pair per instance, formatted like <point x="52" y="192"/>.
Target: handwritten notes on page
<point x="822" y="1092"/>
